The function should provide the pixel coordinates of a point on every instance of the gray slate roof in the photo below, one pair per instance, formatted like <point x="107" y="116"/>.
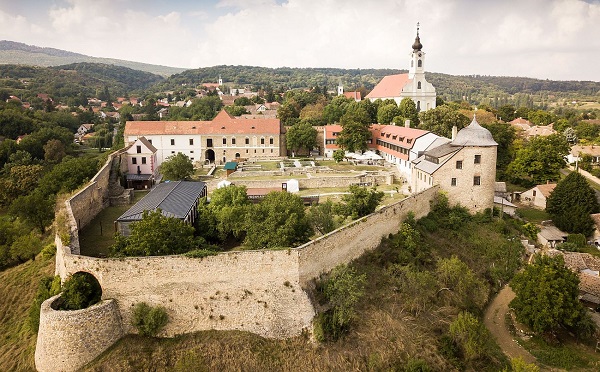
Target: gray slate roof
<point x="474" y="135"/>
<point x="175" y="199"/>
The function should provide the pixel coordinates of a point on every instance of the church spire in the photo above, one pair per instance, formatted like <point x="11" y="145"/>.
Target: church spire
<point x="417" y="46"/>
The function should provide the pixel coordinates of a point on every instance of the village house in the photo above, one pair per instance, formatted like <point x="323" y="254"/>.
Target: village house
<point x="551" y="236"/>
<point x="356" y="95"/>
<point x="142" y="165"/>
<point x="412" y="85"/>
<point x="578" y="152"/>
<point x="521" y="124"/>
<point x="537" y="196"/>
<point x="223" y="139"/>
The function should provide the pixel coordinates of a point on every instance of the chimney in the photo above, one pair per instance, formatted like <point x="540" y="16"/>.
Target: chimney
<point x="454" y="132"/>
<point x="407" y="123"/>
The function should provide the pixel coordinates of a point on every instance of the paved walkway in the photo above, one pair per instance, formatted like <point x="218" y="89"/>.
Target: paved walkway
<point x="495" y="321"/>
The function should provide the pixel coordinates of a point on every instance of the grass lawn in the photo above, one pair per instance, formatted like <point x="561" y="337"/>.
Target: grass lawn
<point x="533" y="215"/>
<point x="568" y="355"/>
<point x="98" y="235"/>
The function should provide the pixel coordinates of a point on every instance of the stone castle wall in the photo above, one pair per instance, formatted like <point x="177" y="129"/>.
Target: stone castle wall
<point x="256" y="291"/>
<point x="67" y="340"/>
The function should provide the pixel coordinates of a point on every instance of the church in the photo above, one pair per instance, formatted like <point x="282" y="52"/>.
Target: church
<point x="412" y="84"/>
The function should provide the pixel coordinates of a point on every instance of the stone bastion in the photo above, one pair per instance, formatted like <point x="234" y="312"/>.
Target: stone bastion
<point x="262" y="291"/>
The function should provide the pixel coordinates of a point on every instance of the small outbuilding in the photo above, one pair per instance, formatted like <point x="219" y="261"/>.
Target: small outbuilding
<point x="175" y="199"/>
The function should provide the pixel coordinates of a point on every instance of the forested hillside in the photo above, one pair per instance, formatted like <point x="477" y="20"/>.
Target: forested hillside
<point x="12" y="52"/>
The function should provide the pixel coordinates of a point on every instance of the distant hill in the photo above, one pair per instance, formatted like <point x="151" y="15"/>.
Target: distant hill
<point x="12" y="52"/>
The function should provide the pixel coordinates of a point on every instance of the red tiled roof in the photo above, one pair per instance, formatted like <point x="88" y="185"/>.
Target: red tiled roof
<point x="353" y="95"/>
<point x="520" y="121"/>
<point x="223" y="123"/>
<point x="389" y="86"/>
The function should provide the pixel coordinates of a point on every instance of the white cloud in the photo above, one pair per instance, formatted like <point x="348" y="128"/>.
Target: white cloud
<point x="547" y="39"/>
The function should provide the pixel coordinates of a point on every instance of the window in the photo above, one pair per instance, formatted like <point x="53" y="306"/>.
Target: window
<point x="477" y="159"/>
<point x="453" y="182"/>
<point x="247" y="141"/>
<point x="133" y="160"/>
<point x="262" y="141"/>
<point x="191" y="142"/>
<point x="192" y="151"/>
<point x="172" y="142"/>
<point x="271" y="141"/>
<point x="233" y="142"/>
<point x="420" y="63"/>
<point x="534" y="193"/>
<point x="209" y="142"/>
<point x="459" y="164"/>
<point x="476" y="181"/>
<point x="138" y="149"/>
<point x="143" y="160"/>
<point x="419" y="85"/>
<point x="150" y="141"/>
<point x="224" y="141"/>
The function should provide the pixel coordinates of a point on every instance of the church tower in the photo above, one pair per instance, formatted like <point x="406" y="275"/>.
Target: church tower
<point x="340" y="89"/>
<point x="220" y="81"/>
<point x="418" y="89"/>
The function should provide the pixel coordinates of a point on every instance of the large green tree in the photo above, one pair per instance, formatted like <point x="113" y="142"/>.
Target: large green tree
<point x="571" y="203"/>
<point x="355" y="129"/>
<point x="177" y="167"/>
<point x="505" y="136"/>
<point x="301" y="135"/>
<point x="440" y="120"/>
<point x="155" y="235"/>
<point x="408" y="110"/>
<point x="387" y="112"/>
<point x="230" y="205"/>
<point x="278" y="221"/>
<point x="539" y="160"/>
<point x="360" y="202"/>
<point x="547" y="295"/>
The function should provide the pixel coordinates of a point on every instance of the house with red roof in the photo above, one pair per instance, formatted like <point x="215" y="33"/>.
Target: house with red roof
<point x="220" y="140"/>
<point x="412" y="85"/>
<point x="399" y="145"/>
<point x="142" y="167"/>
<point x="538" y="195"/>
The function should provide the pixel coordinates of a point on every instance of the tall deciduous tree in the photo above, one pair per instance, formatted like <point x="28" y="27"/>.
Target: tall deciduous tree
<point x="547" y="295"/>
<point x="408" y="110"/>
<point x="301" y="135"/>
<point x="440" y="120"/>
<point x="355" y="129"/>
<point x="177" y="167"/>
<point x="571" y="203"/>
<point x="230" y="205"/>
<point x="539" y="160"/>
<point x="386" y="113"/>
<point x="278" y="221"/>
<point x="360" y="202"/>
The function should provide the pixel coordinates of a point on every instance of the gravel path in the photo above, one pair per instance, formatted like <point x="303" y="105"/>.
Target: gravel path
<point x="494" y="321"/>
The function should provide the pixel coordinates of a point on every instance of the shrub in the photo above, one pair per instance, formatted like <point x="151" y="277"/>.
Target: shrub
<point x="80" y="290"/>
<point x="47" y="288"/>
<point x="148" y="320"/>
<point x="200" y="253"/>
<point x="416" y="365"/>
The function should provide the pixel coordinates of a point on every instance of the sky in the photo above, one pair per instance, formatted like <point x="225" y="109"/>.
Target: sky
<point x="545" y="39"/>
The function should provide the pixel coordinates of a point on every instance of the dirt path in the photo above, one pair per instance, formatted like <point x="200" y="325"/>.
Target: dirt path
<point x="494" y="321"/>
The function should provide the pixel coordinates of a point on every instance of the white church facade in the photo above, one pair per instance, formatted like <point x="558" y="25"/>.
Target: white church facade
<point x="410" y="85"/>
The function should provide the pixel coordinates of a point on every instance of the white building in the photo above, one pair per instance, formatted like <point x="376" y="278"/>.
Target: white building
<point x="412" y="85"/>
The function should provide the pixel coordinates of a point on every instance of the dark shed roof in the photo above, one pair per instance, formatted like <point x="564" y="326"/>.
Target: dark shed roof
<point x="175" y="199"/>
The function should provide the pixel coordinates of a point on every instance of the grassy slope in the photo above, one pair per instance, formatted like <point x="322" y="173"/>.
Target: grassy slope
<point x="18" y="286"/>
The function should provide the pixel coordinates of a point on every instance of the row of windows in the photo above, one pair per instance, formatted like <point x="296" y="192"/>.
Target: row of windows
<point x="134" y="160"/>
<point x="392" y="147"/>
<point x="209" y="142"/>
<point x="476" y="181"/>
<point x="476" y="160"/>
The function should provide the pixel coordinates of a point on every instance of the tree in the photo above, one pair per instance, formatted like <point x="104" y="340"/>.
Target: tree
<point x="149" y="320"/>
<point x="322" y="217"/>
<point x="547" y="295"/>
<point x="470" y="335"/>
<point x="155" y="235"/>
<point x="301" y="135"/>
<point x="570" y="135"/>
<point x="68" y="175"/>
<point x="465" y="289"/>
<point x="177" y="167"/>
<point x="355" y="129"/>
<point x="505" y="136"/>
<point x="54" y="151"/>
<point x="80" y="290"/>
<point x="571" y="203"/>
<point x="408" y="110"/>
<point x="539" y="160"/>
<point x="278" y="221"/>
<point x="387" y="112"/>
<point x="36" y="208"/>
<point x="440" y="120"/>
<point x="339" y="155"/>
<point x="360" y="202"/>
<point x="230" y="205"/>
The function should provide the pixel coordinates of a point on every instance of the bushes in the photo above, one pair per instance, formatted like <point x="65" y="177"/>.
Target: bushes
<point x="48" y="287"/>
<point x="80" y="290"/>
<point x="148" y="320"/>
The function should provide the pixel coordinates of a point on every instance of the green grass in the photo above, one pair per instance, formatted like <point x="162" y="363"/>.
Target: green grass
<point x="568" y="355"/>
<point x="18" y="286"/>
<point x="99" y="234"/>
<point x="533" y="215"/>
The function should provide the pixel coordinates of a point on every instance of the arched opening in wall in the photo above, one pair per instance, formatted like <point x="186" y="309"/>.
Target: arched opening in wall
<point x="81" y="290"/>
<point x="237" y="155"/>
<point x="420" y="63"/>
<point x="210" y="156"/>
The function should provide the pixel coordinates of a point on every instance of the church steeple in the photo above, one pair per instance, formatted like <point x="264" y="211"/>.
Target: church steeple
<point x="417" y="58"/>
